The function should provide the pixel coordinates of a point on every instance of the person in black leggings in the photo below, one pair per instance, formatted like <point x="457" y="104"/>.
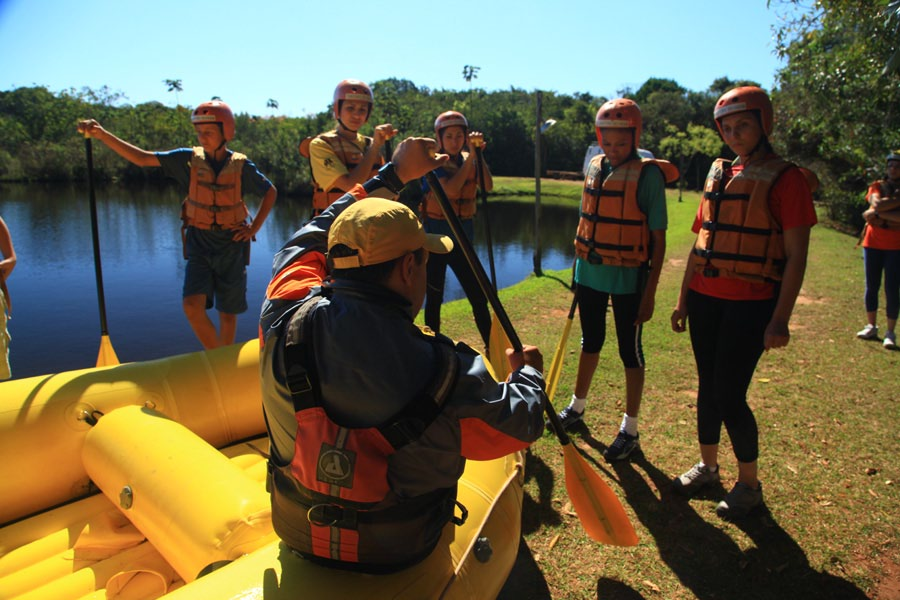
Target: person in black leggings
<point x="740" y="285"/>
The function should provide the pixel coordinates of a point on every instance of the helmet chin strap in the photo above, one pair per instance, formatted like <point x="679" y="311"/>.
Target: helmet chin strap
<point x="341" y="123"/>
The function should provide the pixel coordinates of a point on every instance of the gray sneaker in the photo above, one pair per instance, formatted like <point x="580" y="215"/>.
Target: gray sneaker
<point x="697" y="477"/>
<point x="890" y="340"/>
<point x="740" y="501"/>
<point x="869" y="332"/>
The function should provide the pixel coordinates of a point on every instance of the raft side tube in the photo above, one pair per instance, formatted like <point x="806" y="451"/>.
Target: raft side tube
<point x="43" y="420"/>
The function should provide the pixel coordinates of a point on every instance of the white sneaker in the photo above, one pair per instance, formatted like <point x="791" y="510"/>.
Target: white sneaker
<point x="869" y="332"/>
<point x="890" y="340"/>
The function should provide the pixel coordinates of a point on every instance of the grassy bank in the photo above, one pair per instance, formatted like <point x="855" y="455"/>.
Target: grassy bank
<point x="828" y="419"/>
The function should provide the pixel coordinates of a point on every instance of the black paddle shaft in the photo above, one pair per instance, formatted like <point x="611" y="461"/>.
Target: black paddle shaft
<point x="95" y="235"/>
<point x="489" y="291"/>
<point x="487" y="220"/>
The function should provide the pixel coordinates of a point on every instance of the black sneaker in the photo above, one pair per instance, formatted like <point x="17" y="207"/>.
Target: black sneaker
<point x="567" y="417"/>
<point x="622" y="446"/>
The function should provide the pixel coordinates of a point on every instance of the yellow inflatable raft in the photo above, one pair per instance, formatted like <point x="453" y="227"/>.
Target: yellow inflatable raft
<point x="147" y="480"/>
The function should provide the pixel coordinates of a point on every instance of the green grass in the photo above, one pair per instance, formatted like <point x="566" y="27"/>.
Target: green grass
<point x="828" y="418"/>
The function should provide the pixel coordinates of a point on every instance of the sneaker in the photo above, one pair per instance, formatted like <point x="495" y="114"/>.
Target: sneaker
<point x="622" y="446"/>
<point x="697" y="477"/>
<point x="740" y="501"/>
<point x="890" y="340"/>
<point x="869" y="332"/>
<point x="567" y="417"/>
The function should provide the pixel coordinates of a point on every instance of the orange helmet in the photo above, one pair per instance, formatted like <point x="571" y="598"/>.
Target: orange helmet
<point x="215" y="111"/>
<point x="450" y="118"/>
<point x="352" y="89"/>
<point x="742" y="99"/>
<point x="620" y="113"/>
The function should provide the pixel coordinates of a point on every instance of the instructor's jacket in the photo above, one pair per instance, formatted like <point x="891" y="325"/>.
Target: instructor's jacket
<point x="370" y="362"/>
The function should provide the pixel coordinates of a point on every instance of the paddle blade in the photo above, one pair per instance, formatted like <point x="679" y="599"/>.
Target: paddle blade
<point x="498" y="343"/>
<point x="107" y="355"/>
<point x="602" y="515"/>
<point x="555" y="370"/>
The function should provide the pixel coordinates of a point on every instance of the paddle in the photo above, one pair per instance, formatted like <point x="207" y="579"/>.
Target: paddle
<point x="106" y="357"/>
<point x="498" y="342"/>
<point x="597" y="506"/>
<point x="487" y="221"/>
<point x="555" y="369"/>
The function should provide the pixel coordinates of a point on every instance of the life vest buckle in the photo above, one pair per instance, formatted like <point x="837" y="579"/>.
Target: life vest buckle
<point x="710" y="272"/>
<point x="329" y="515"/>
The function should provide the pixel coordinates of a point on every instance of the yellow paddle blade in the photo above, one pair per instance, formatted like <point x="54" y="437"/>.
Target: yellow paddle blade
<point x="498" y="343"/>
<point x="107" y="355"/>
<point x="598" y="507"/>
<point x="555" y="370"/>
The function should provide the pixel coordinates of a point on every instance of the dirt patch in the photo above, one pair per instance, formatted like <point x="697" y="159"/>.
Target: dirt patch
<point x="806" y="300"/>
<point x="889" y="586"/>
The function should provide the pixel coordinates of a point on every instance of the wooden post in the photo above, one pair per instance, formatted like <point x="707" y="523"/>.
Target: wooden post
<point x="537" y="186"/>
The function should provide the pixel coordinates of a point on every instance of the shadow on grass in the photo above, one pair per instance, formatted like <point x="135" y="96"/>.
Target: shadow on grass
<point x="526" y="581"/>
<point x="706" y="560"/>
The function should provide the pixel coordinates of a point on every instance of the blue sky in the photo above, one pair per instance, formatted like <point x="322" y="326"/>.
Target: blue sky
<point x="295" y="51"/>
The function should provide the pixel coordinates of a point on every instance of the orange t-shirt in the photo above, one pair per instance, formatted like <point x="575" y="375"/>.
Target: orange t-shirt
<point x="879" y="238"/>
<point x="790" y="203"/>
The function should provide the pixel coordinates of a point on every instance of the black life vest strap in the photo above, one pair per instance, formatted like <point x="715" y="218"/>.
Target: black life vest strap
<point x="713" y="226"/>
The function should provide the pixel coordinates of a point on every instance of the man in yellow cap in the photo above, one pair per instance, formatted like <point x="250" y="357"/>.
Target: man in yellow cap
<point x="371" y="418"/>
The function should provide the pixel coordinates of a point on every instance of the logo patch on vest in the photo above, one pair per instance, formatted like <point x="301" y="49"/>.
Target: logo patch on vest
<point x="335" y="466"/>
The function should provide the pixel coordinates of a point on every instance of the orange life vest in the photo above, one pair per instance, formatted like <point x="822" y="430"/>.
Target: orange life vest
<point x="739" y="237"/>
<point x="349" y="154"/>
<point x="464" y="206"/>
<point x="215" y="201"/>
<point x="333" y="502"/>
<point x="613" y="229"/>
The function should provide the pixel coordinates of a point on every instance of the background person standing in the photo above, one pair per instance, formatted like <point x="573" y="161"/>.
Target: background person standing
<point x="881" y="252"/>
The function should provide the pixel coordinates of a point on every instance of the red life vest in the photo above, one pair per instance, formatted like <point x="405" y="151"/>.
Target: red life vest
<point x="214" y="201"/>
<point x="613" y="229"/>
<point x="739" y="237"/>
<point x="349" y="154"/>
<point x="464" y="206"/>
<point x="333" y="503"/>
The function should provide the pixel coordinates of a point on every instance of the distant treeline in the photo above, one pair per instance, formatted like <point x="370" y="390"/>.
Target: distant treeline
<point x="836" y="112"/>
<point x="38" y="141"/>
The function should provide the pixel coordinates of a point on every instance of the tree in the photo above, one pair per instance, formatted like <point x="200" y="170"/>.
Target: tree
<point x="470" y="73"/>
<point x="174" y="85"/>
<point x="689" y="147"/>
<point x="836" y="109"/>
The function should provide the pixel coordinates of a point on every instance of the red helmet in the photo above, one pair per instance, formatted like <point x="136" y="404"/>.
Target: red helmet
<point x="352" y="89"/>
<point x="742" y="99"/>
<point x="215" y="111"/>
<point x="620" y="113"/>
<point x="450" y="118"/>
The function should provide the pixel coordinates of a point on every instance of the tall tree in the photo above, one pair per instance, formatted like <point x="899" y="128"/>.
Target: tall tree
<point x="837" y="111"/>
<point x="174" y="85"/>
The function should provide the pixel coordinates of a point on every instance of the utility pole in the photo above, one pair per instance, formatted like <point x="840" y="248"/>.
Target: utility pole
<point x="537" y="185"/>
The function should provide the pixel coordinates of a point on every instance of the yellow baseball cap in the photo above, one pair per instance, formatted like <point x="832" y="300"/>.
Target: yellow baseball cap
<point x="381" y="230"/>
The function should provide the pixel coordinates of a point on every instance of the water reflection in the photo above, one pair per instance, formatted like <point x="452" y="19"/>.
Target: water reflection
<point x="55" y="322"/>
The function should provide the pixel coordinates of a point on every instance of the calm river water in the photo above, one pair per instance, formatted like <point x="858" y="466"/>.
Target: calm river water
<point x="55" y="319"/>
